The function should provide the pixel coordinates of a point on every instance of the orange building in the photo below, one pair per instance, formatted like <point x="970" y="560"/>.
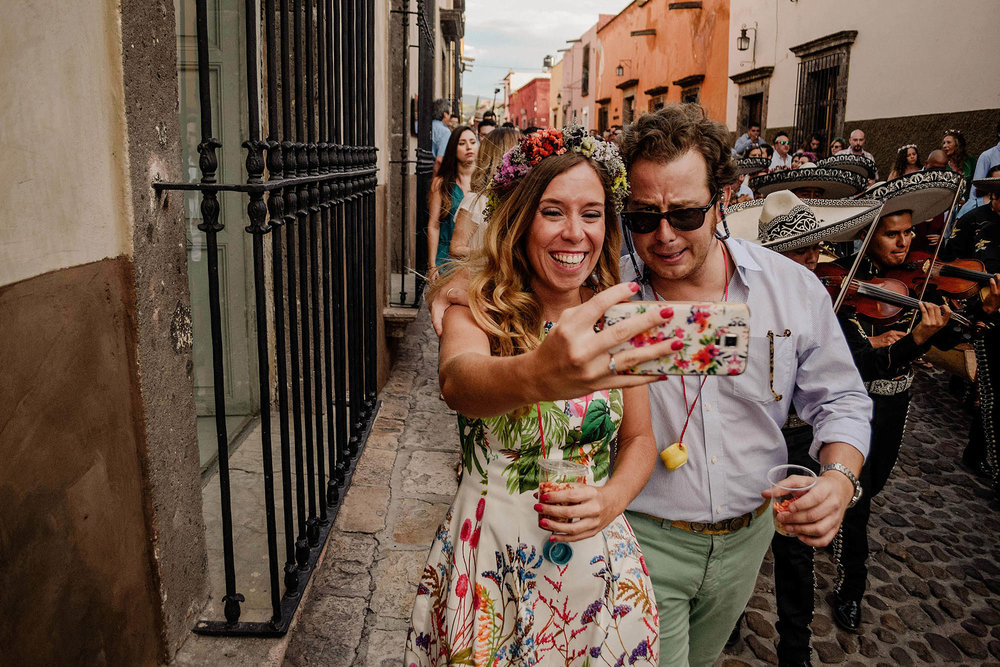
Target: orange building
<point x="656" y="52"/>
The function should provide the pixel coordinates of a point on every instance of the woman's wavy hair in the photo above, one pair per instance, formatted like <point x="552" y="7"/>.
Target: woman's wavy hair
<point x="899" y="167"/>
<point x="502" y="301"/>
<point x="491" y="151"/>
<point x="961" y="153"/>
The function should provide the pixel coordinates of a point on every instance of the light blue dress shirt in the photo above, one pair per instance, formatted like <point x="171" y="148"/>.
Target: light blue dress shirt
<point x="987" y="160"/>
<point x="734" y="435"/>
<point x="440" y="134"/>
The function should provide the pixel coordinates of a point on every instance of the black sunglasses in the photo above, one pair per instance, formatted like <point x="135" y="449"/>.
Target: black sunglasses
<point x="682" y="219"/>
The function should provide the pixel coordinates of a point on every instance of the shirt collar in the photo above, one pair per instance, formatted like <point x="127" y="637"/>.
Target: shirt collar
<point x="741" y="257"/>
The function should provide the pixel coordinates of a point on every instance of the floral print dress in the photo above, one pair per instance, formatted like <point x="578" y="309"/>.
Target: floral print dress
<point x="487" y="595"/>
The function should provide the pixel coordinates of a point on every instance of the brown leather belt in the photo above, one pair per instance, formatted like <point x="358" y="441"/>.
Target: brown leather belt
<point x="719" y="527"/>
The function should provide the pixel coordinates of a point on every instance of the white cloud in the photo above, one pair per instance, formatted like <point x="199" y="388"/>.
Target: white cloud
<point x="517" y="34"/>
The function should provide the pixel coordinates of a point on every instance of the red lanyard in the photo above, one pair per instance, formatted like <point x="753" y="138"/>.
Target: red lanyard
<point x="725" y="297"/>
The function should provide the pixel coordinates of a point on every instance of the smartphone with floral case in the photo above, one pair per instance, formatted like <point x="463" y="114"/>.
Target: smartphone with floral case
<point x="709" y="338"/>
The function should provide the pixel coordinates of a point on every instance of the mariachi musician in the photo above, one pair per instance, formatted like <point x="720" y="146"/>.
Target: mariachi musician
<point x="795" y="228"/>
<point x="977" y="236"/>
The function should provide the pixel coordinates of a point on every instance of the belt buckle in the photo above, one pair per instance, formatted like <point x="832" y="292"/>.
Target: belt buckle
<point x="736" y="523"/>
<point x="698" y="526"/>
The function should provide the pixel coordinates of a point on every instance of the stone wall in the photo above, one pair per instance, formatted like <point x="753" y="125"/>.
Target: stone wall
<point x="883" y="136"/>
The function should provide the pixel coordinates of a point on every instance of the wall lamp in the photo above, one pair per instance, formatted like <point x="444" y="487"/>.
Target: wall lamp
<point x="620" y="71"/>
<point x="743" y="41"/>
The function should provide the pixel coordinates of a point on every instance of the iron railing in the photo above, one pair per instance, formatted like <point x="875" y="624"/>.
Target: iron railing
<point x="311" y="190"/>
<point x="820" y="98"/>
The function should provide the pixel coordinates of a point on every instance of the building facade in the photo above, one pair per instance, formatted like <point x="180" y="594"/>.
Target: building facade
<point x="139" y="293"/>
<point x="528" y="106"/>
<point x="659" y="52"/>
<point x="887" y="68"/>
<point x="579" y="76"/>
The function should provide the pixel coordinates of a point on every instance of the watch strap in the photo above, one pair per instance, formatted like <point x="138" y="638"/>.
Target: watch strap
<point x="844" y="470"/>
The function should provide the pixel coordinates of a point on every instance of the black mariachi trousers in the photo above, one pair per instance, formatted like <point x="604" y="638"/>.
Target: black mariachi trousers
<point x="793" y="568"/>
<point x="851" y="547"/>
<point x="982" y="447"/>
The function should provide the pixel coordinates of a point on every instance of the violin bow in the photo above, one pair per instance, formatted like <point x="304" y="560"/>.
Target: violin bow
<point x="845" y="285"/>
<point x="937" y="249"/>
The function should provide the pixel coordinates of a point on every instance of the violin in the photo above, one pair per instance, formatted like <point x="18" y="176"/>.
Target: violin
<point x="959" y="279"/>
<point x="880" y="300"/>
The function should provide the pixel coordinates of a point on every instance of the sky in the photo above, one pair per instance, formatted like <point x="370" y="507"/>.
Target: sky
<point x="517" y="34"/>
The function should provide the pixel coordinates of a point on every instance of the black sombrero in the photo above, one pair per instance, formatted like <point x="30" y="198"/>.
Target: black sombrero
<point x="859" y="164"/>
<point x="835" y="183"/>
<point x="783" y="222"/>
<point x="751" y="165"/>
<point x="926" y="193"/>
<point x="987" y="186"/>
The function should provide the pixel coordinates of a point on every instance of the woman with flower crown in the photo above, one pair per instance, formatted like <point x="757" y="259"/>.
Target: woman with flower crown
<point x="519" y="575"/>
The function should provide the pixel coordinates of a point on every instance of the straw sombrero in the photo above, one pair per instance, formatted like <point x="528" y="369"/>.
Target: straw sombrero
<point x="859" y="164"/>
<point x="781" y="221"/>
<point x="835" y="183"/>
<point x="926" y="193"/>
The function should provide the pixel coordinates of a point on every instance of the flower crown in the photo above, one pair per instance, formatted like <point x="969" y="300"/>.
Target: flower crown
<point x="903" y="149"/>
<point x="532" y="149"/>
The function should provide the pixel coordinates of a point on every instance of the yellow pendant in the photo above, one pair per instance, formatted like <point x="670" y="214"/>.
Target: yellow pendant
<point x="674" y="456"/>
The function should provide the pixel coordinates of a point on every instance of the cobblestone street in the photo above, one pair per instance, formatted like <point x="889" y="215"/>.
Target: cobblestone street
<point x="934" y="587"/>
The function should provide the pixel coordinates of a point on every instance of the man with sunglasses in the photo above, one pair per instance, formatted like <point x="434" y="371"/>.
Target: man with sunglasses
<point x="703" y="527"/>
<point x="782" y="158"/>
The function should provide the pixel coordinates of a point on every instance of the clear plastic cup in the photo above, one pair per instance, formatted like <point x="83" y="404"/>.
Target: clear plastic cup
<point x="556" y="475"/>
<point x="788" y="482"/>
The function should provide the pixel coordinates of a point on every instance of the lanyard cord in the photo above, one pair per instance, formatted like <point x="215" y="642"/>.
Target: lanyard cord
<point x="687" y="419"/>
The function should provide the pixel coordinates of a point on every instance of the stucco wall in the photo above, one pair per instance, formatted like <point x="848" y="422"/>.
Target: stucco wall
<point x="687" y="42"/>
<point x="76" y="582"/>
<point x="63" y="199"/>
<point x="911" y="57"/>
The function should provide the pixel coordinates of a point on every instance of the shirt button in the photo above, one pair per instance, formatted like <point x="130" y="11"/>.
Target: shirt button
<point x="708" y="407"/>
<point x="715" y="459"/>
<point x="718" y="510"/>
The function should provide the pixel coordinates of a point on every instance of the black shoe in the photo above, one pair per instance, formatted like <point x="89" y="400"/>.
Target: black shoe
<point x="734" y="636"/>
<point x="847" y="615"/>
<point x="794" y="663"/>
<point x="977" y="468"/>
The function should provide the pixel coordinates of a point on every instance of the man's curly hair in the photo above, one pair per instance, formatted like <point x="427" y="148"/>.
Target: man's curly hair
<point x="669" y="133"/>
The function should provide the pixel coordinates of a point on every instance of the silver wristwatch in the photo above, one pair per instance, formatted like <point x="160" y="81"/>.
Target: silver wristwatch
<point x="841" y="468"/>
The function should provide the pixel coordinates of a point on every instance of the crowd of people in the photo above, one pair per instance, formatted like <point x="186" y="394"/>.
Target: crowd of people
<point x="637" y="561"/>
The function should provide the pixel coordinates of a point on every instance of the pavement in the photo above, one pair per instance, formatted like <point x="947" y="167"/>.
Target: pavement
<point x="934" y="584"/>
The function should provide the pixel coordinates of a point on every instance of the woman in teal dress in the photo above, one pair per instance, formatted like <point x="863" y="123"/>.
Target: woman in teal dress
<point x="448" y="188"/>
<point x="492" y="592"/>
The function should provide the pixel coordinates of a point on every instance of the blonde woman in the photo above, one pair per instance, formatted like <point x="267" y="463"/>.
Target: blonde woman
<point x="494" y="590"/>
<point x="469" y="221"/>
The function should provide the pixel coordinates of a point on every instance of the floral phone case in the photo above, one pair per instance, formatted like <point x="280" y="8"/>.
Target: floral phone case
<point x="711" y="338"/>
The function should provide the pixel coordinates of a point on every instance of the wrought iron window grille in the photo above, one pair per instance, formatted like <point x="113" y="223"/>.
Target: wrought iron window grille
<point x="311" y="190"/>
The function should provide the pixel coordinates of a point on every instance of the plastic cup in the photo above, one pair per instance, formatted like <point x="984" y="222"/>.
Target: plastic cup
<point x="788" y="482"/>
<point x="556" y="475"/>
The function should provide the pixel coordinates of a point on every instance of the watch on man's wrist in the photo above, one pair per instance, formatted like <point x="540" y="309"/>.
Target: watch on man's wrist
<point x="844" y="470"/>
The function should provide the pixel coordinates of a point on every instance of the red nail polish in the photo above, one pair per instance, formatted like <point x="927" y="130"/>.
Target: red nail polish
<point x="544" y="497"/>
<point x="667" y="313"/>
<point x="542" y="523"/>
<point x="634" y="287"/>
<point x="676" y="345"/>
<point x="538" y="508"/>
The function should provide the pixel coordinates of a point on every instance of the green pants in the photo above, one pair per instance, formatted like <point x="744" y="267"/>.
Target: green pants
<point x="702" y="584"/>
